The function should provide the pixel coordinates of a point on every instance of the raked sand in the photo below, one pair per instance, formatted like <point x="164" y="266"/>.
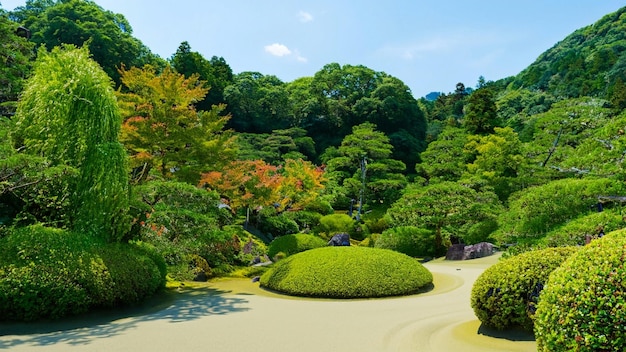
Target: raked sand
<point x="238" y="316"/>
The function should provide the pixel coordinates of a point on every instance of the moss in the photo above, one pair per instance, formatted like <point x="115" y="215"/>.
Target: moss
<point x="347" y="272"/>
<point x="583" y="307"/>
<point x="505" y="295"/>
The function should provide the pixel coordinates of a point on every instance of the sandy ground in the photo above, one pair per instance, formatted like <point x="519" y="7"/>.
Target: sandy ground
<point x="236" y="315"/>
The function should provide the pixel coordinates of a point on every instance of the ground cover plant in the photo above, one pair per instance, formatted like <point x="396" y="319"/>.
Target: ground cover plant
<point x="347" y="272"/>
<point x="583" y="307"/>
<point x="292" y="244"/>
<point x="506" y="294"/>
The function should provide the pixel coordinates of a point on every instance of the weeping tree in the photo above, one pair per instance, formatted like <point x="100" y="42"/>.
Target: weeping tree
<point x="68" y="114"/>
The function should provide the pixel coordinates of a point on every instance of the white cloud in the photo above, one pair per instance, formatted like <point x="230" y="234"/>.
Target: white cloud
<point x="277" y="49"/>
<point x="305" y="17"/>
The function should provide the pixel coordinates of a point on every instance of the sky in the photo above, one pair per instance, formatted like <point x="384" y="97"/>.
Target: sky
<point x="429" y="45"/>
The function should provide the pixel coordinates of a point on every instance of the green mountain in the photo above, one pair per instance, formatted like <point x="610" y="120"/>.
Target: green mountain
<point x="588" y="62"/>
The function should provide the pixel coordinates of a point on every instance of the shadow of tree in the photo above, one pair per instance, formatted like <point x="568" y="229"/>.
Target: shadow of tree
<point x="172" y="306"/>
<point x="513" y="334"/>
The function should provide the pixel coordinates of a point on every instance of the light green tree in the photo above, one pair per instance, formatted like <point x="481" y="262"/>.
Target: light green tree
<point x="68" y="114"/>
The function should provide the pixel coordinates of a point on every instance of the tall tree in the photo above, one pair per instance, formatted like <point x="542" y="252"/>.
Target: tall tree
<point x="481" y="115"/>
<point x="82" y="22"/>
<point x="215" y="72"/>
<point x="163" y="130"/>
<point x="16" y="53"/>
<point x="364" y="168"/>
<point x="68" y="113"/>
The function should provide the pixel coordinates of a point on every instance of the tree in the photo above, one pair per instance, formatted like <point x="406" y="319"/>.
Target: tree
<point x="481" y="112"/>
<point x="449" y="209"/>
<point x="445" y="159"/>
<point x="215" y="73"/>
<point x="15" y="55"/>
<point x="364" y="169"/>
<point x="107" y="35"/>
<point x="258" y="103"/>
<point x="163" y="130"/>
<point x="68" y="113"/>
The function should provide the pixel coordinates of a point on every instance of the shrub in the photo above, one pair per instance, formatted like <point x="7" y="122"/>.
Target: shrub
<point x="51" y="273"/>
<point x="292" y="244"/>
<point x="583" y="307"/>
<point x="338" y="223"/>
<point x="347" y="272"/>
<point x="410" y="240"/>
<point x="573" y="233"/>
<point x="505" y="295"/>
<point x="319" y="206"/>
<point x="278" y="225"/>
<point x="306" y="220"/>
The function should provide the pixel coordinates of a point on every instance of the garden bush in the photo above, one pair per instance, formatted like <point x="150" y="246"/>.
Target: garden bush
<point x="340" y="223"/>
<point x="347" y="272"/>
<point x="306" y="220"/>
<point x="583" y="307"/>
<point x="505" y="295"/>
<point x="51" y="273"/>
<point x="278" y="225"/>
<point x="410" y="240"/>
<point x="292" y="244"/>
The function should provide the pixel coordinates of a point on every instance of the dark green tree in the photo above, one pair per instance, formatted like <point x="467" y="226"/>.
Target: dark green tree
<point x="83" y="22"/>
<point x="16" y="53"/>
<point x="68" y="113"/>
<point x="481" y="112"/>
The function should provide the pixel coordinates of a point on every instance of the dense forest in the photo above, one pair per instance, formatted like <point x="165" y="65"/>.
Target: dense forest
<point x="218" y="163"/>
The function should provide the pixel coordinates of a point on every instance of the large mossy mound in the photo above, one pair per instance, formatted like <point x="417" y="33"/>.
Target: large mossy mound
<point x="347" y="272"/>
<point x="52" y="273"/>
<point x="292" y="244"/>
<point x="583" y="307"/>
<point x="505" y="295"/>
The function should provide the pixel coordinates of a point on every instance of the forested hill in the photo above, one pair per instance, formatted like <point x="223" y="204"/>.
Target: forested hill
<point x="589" y="62"/>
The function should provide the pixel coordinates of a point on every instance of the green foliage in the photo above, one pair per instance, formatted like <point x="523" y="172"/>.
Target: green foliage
<point x="347" y="272"/>
<point x="480" y="112"/>
<point x="582" y="306"/>
<point x="581" y="64"/>
<point x="107" y="35"/>
<point x="292" y="244"/>
<point x="506" y="294"/>
<point x="52" y="273"/>
<point x="68" y="113"/>
<point x="447" y="208"/>
<point x="444" y="159"/>
<point x="15" y="55"/>
<point x="337" y="223"/>
<point x="573" y="232"/>
<point x="538" y="210"/>
<point x="410" y="240"/>
<point x="306" y="220"/>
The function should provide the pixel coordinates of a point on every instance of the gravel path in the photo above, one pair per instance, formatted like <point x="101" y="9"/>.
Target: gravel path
<point x="236" y="315"/>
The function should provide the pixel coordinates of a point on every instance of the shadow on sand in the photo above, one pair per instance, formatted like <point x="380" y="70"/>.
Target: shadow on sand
<point x="514" y="334"/>
<point x="171" y="305"/>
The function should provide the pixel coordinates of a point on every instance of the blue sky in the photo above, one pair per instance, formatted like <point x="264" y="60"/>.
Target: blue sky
<point x="429" y="45"/>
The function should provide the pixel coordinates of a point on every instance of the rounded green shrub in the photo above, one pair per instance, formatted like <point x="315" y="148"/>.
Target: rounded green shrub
<point x="505" y="295"/>
<point x="278" y="225"/>
<point x="347" y="272"/>
<point x="583" y="307"/>
<point x="340" y="223"/>
<point x="410" y="240"/>
<point x="51" y="273"/>
<point x="292" y="244"/>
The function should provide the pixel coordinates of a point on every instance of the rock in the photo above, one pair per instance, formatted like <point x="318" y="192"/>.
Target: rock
<point x="340" y="239"/>
<point x="463" y="252"/>
<point x="455" y="252"/>
<point x="200" y="277"/>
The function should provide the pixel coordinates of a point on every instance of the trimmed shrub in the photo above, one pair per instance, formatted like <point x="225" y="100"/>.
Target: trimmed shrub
<point x="505" y="295"/>
<point x="338" y="223"/>
<point x="583" y="307"/>
<point x="347" y="272"/>
<point x="292" y="244"/>
<point x="410" y="240"/>
<point x="306" y="220"/>
<point x="573" y="233"/>
<point x="51" y="273"/>
<point x="278" y="225"/>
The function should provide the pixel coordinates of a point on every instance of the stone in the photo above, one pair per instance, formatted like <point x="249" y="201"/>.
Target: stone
<point x="455" y="252"/>
<point x="340" y="239"/>
<point x="475" y="251"/>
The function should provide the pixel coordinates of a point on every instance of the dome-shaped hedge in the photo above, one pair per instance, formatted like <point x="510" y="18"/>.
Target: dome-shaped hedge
<point x="583" y="307"/>
<point x="347" y="272"/>
<point x="292" y="244"/>
<point x="505" y="294"/>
